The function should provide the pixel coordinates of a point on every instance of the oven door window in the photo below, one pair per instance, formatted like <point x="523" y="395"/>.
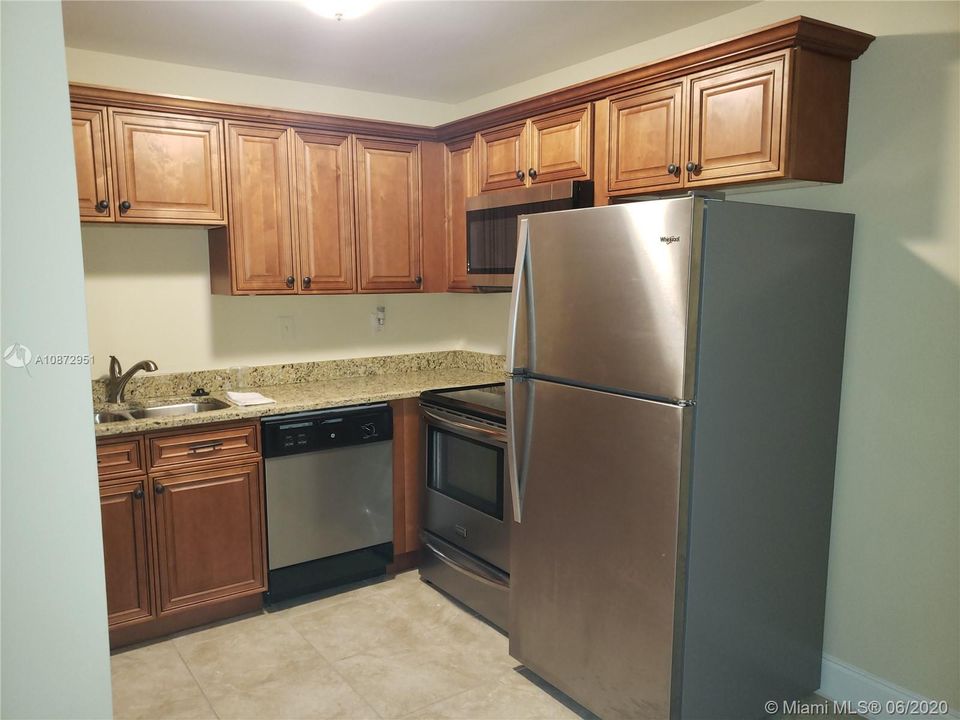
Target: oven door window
<point x="466" y="470"/>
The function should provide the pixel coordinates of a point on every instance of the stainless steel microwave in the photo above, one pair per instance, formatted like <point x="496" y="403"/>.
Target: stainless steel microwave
<point x="492" y="224"/>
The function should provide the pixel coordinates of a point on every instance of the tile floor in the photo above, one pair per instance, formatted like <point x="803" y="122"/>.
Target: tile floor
<point x="394" y="648"/>
<point x="390" y="649"/>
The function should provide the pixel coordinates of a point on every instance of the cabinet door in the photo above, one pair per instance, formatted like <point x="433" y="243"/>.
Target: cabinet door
<point x="560" y="146"/>
<point x="169" y="168"/>
<point x="323" y="217"/>
<point x="503" y="157"/>
<point x="261" y="239"/>
<point x="124" y="517"/>
<point x="210" y="534"/>
<point x="645" y="139"/>
<point x="388" y="214"/>
<point x="460" y="171"/>
<point x="93" y="163"/>
<point x="736" y="122"/>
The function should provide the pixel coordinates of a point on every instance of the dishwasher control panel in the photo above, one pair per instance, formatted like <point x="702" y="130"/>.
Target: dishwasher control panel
<point x="326" y="429"/>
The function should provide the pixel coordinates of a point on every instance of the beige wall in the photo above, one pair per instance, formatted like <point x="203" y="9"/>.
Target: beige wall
<point x="96" y="68"/>
<point x="148" y="296"/>
<point x="893" y="605"/>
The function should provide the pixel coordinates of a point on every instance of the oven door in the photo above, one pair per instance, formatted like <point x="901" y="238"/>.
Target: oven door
<point x="467" y="491"/>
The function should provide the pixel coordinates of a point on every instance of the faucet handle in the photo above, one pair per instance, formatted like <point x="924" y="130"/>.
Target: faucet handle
<point x="115" y="369"/>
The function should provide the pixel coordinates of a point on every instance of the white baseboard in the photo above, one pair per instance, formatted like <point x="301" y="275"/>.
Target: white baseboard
<point x="842" y="682"/>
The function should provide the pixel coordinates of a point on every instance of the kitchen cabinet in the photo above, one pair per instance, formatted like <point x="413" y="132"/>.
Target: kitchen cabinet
<point x="780" y="116"/>
<point x="736" y="122"/>
<point x="307" y="207"/>
<point x="460" y="177"/>
<point x="125" y="523"/>
<point x="183" y="528"/>
<point x="323" y="215"/>
<point x="546" y="148"/>
<point x="388" y="215"/>
<point x="148" y="167"/>
<point x="92" y="154"/>
<point x="261" y="239"/>
<point x="503" y="157"/>
<point x="646" y="142"/>
<point x="408" y="481"/>
<point x="168" y="168"/>
<point x="209" y="534"/>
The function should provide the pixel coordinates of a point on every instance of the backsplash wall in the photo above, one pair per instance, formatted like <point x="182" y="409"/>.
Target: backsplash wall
<point x="148" y="297"/>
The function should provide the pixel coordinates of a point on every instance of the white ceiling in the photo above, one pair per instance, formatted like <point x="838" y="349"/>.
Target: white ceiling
<point x="441" y="50"/>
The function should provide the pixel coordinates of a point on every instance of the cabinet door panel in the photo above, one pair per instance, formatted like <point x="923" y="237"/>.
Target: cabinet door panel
<point x="124" y="513"/>
<point x="93" y="163"/>
<point x="502" y="152"/>
<point x="560" y="145"/>
<point x="736" y="122"/>
<point x="323" y="191"/>
<point x="170" y="168"/>
<point x="388" y="214"/>
<point x="209" y="534"/>
<point x="645" y="138"/>
<point x="261" y="238"/>
<point x="460" y="171"/>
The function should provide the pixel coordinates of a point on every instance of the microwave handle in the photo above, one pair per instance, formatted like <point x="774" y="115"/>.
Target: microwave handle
<point x="519" y="287"/>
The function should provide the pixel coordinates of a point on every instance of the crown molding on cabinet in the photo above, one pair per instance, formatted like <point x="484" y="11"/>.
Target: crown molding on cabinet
<point x="798" y="32"/>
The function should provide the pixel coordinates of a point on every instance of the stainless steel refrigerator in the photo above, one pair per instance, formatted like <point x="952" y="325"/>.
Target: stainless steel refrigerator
<point x="672" y="413"/>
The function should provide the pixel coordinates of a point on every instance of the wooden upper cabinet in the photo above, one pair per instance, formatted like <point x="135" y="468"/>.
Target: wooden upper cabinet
<point x="561" y="145"/>
<point x="503" y="157"/>
<point x="645" y="144"/>
<point x="323" y="220"/>
<point x="261" y="237"/>
<point x="92" y="154"/>
<point x="125" y="523"/>
<point x="737" y="122"/>
<point x="388" y="214"/>
<point x="460" y="171"/>
<point x="210" y="534"/>
<point x="169" y="168"/>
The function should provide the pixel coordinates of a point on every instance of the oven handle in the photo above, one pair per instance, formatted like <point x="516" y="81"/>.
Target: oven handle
<point x="471" y="569"/>
<point x="450" y="424"/>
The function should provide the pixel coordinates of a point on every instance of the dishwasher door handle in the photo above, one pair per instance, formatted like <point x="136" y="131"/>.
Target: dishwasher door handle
<point x="464" y="565"/>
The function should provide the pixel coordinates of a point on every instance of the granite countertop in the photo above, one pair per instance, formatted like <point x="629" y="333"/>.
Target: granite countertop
<point x="301" y="396"/>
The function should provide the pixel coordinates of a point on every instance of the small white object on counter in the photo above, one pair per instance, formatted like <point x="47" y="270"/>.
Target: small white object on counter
<point x="243" y="399"/>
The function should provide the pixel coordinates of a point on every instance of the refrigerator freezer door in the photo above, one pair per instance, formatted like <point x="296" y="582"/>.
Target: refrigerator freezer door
<point x="609" y="296"/>
<point x="594" y="560"/>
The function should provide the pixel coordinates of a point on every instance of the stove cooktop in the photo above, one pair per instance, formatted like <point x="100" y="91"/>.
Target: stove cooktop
<point x="482" y="400"/>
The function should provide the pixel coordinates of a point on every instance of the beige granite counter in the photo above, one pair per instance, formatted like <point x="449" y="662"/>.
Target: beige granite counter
<point x="403" y="379"/>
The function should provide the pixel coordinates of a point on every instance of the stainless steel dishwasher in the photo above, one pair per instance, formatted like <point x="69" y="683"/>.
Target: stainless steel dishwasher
<point x="329" y="487"/>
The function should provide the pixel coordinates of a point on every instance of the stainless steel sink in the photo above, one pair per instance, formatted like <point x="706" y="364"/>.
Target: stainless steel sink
<point x="184" y="408"/>
<point x="109" y="417"/>
<point x="165" y="410"/>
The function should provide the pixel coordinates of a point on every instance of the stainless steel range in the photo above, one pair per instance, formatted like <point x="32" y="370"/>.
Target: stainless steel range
<point x="468" y="505"/>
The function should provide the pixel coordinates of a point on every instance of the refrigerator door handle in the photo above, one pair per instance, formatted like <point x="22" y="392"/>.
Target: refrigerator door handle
<point x="514" y="467"/>
<point x="518" y="286"/>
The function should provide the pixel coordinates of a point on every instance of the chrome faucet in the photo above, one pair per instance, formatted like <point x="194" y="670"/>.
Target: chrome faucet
<point x="117" y="382"/>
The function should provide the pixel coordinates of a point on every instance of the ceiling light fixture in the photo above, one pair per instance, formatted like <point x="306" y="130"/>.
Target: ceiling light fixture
<point x="341" y="9"/>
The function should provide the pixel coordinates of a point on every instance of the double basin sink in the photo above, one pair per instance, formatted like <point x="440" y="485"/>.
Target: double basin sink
<point x="160" y="410"/>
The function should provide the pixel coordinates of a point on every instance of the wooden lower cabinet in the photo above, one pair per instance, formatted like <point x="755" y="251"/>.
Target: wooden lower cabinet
<point x="408" y="482"/>
<point x="182" y="545"/>
<point x="127" y="551"/>
<point x="209" y="534"/>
